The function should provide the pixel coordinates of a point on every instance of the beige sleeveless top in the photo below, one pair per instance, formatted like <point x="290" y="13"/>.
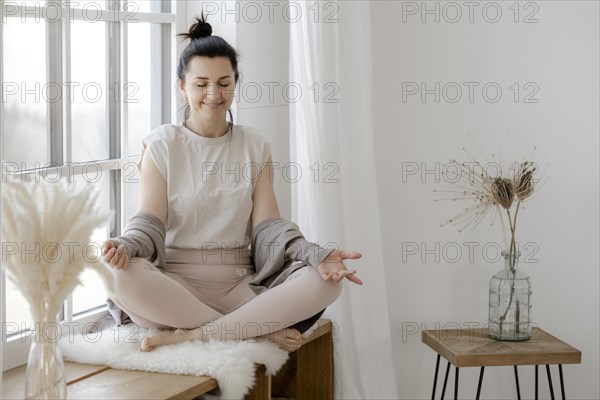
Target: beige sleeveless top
<point x="210" y="183"/>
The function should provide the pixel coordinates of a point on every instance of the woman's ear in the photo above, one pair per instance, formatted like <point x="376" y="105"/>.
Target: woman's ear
<point x="181" y="86"/>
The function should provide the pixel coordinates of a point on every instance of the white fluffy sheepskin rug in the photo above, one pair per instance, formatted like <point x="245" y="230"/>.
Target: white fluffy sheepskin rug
<point x="230" y="363"/>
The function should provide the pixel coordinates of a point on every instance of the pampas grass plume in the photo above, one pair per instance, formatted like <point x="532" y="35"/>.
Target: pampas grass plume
<point x="47" y="229"/>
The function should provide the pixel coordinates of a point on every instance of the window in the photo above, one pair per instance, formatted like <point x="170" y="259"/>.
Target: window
<point x="82" y="82"/>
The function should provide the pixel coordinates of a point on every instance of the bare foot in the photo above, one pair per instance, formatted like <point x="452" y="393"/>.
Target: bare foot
<point x="169" y="337"/>
<point x="288" y="339"/>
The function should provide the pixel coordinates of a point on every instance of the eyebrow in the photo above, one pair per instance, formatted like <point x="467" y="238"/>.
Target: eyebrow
<point x="223" y="77"/>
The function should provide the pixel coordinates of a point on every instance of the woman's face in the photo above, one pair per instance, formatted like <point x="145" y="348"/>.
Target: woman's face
<point x="209" y="87"/>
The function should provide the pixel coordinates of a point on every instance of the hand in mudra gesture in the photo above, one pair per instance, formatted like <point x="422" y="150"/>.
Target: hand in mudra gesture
<point x="115" y="256"/>
<point x="333" y="267"/>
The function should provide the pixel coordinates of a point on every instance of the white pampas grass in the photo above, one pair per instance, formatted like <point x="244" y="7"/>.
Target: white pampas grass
<point x="47" y="228"/>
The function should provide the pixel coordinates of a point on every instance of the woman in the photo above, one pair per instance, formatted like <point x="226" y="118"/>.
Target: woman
<point x="205" y="186"/>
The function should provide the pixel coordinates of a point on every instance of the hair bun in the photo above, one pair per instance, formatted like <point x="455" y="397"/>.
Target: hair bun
<point x="198" y="30"/>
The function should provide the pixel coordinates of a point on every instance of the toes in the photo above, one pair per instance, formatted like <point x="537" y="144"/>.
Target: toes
<point x="293" y="333"/>
<point x="294" y="341"/>
<point x="290" y="348"/>
<point x="293" y="344"/>
<point x="294" y="347"/>
<point x="146" y="345"/>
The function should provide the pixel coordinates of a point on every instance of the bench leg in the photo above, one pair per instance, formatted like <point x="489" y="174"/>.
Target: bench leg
<point x="262" y="387"/>
<point x="314" y="369"/>
<point x="308" y="373"/>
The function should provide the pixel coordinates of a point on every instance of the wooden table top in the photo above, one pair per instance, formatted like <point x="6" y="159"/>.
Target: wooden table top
<point x="473" y="348"/>
<point x="86" y="381"/>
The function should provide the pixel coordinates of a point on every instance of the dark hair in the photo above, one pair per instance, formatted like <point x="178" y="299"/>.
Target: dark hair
<point x="203" y="44"/>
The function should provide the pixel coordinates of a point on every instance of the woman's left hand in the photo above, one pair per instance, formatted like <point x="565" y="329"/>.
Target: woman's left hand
<point x="333" y="267"/>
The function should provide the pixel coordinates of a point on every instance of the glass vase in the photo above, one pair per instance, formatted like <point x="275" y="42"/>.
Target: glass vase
<point x="45" y="375"/>
<point x="510" y="302"/>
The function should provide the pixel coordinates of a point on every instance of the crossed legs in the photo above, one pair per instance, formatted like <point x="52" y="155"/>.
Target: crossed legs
<point x="162" y="300"/>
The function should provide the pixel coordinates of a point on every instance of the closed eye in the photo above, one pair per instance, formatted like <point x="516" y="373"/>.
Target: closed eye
<point x="220" y="84"/>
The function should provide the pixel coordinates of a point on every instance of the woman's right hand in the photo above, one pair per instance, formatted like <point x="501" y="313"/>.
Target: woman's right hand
<point x="115" y="256"/>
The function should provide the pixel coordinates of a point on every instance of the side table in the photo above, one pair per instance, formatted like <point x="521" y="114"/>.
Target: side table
<point x="473" y="348"/>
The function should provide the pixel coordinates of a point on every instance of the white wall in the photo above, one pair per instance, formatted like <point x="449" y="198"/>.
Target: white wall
<point x="559" y="54"/>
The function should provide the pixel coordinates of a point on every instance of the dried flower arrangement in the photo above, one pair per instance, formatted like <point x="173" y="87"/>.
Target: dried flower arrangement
<point x="490" y="193"/>
<point x="496" y="193"/>
<point x="46" y="230"/>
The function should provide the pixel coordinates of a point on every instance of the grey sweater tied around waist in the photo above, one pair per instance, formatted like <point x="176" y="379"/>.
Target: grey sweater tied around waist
<point x="278" y="248"/>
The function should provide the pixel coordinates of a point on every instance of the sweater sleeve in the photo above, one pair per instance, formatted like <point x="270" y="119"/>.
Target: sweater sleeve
<point x="278" y="249"/>
<point x="308" y="252"/>
<point x="144" y="237"/>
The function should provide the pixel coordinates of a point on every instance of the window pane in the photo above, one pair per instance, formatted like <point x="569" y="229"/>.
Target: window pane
<point x="18" y="316"/>
<point x="89" y="5"/>
<point x="142" y="6"/>
<point x="90" y="91"/>
<point x="131" y="184"/>
<point x="140" y="62"/>
<point x="92" y="293"/>
<point x="26" y="91"/>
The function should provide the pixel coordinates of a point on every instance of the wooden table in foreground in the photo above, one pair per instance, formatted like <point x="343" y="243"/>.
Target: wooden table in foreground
<point x="473" y="348"/>
<point x="308" y="374"/>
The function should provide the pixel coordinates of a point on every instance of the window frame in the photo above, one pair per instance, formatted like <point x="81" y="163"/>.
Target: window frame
<point x="172" y="18"/>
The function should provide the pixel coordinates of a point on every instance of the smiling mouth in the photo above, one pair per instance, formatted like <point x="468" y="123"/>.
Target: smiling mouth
<point x="215" y="105"/>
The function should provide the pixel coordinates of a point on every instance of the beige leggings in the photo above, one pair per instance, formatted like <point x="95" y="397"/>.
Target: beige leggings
<point x="210" y="288"/>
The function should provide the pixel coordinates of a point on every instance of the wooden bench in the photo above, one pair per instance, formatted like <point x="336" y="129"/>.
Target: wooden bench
<point x="308" y="374"/>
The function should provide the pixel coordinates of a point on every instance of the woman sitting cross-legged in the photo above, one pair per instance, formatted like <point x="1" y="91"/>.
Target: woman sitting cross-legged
<point x="207" y="252"/>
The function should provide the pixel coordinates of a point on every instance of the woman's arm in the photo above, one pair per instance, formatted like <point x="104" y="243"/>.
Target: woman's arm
<point x="265" y="203"/>
<point x="153" y="200"/>
<point x="153" y="190"/>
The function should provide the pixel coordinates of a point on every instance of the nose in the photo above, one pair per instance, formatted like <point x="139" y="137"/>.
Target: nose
<point x="213" y="90"/>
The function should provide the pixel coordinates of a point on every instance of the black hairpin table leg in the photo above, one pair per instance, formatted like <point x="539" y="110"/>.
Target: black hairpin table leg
<point x="550" y="386"/>
<point x="455" y="383"/>
<point x="479" y="384"/>
<point x="562" y="382"/>
<point x="536" y="382"/>
<point x="435" y="376"/>
<point x="445" y="381"/>
<point x="435" y="379"/>
<point x="517" y="383"/>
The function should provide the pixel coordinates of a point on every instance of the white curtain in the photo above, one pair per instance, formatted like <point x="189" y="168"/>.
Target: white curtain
<point x="334" y="194"/>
